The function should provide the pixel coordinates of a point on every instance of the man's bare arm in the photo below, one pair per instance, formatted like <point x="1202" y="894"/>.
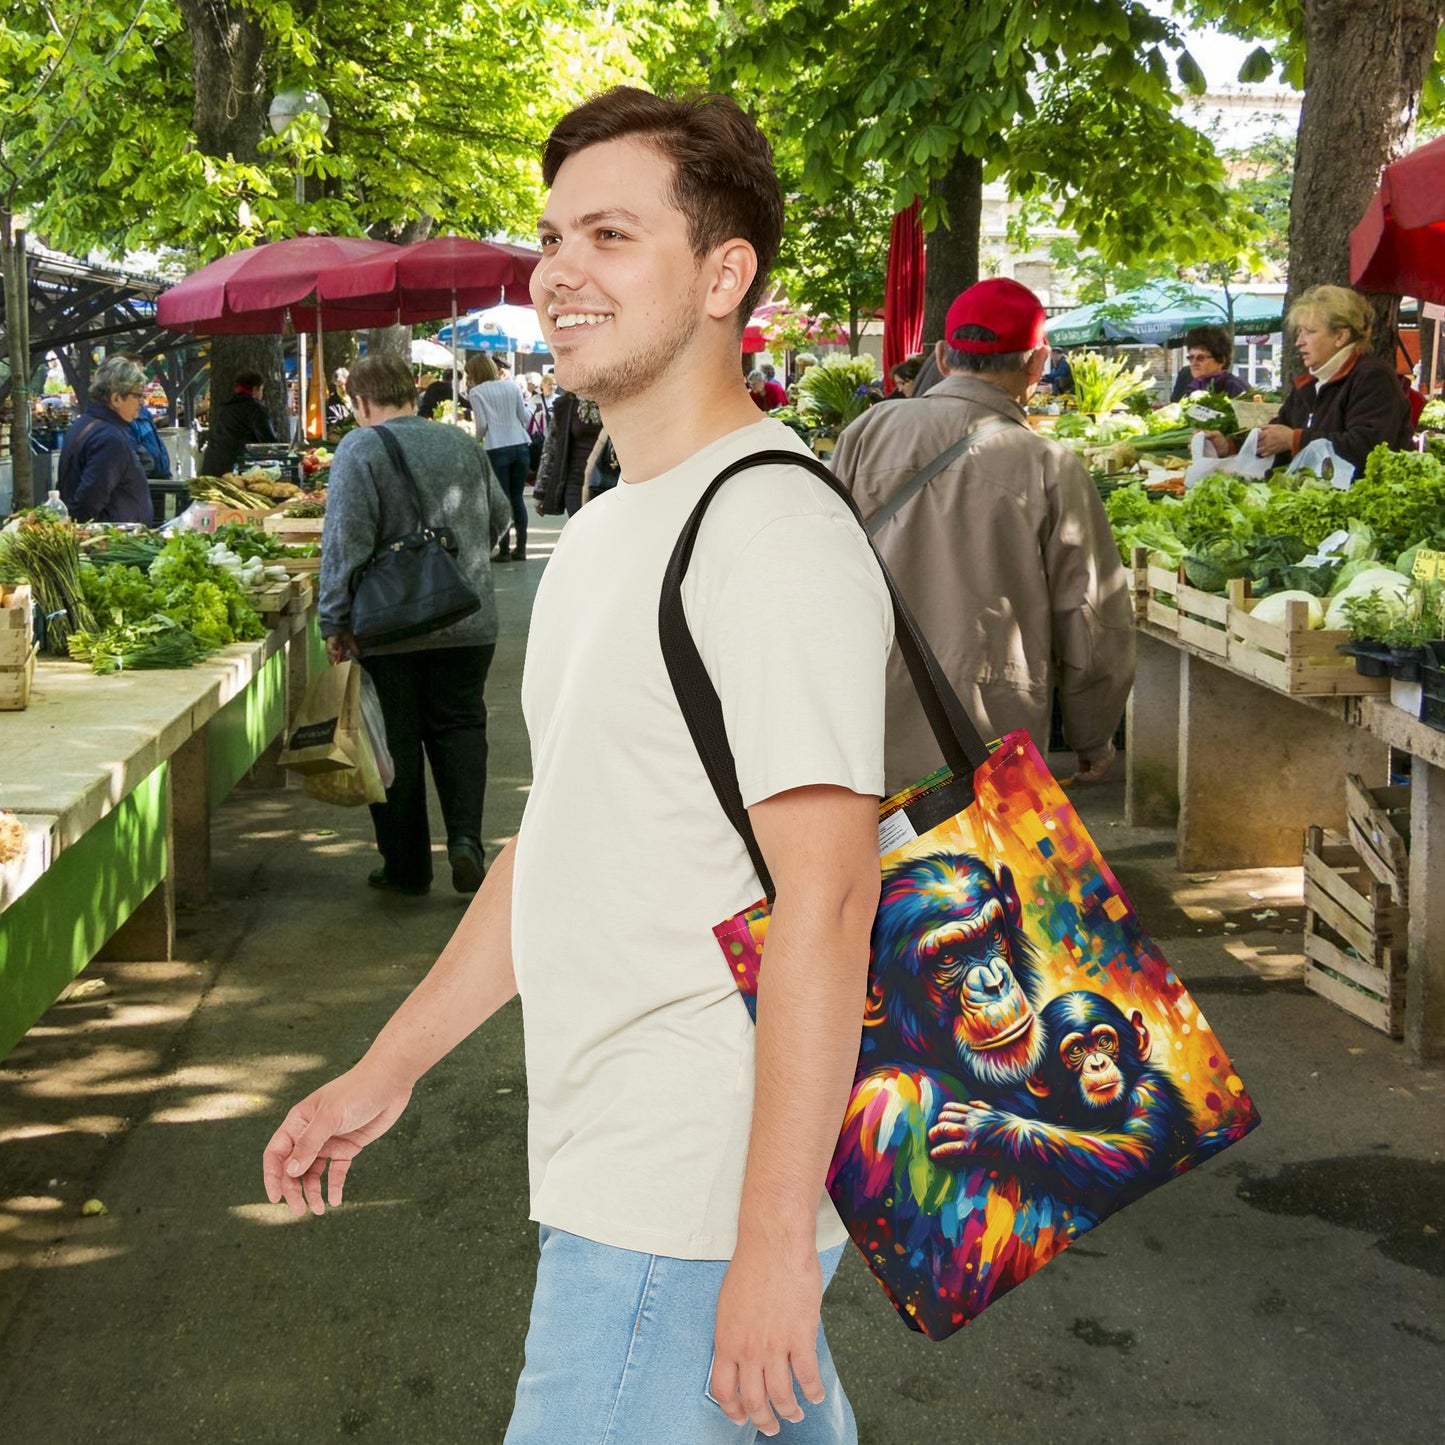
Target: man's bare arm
<point x="821" y="844"/>
<point x="469" y="982"/>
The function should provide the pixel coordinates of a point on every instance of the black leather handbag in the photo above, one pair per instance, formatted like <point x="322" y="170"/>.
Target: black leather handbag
<point x="413" y="584"/>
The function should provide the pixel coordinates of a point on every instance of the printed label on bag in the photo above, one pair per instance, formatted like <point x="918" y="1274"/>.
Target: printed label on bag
<point x="314" y="735"/>
<point x="894" y="831"/>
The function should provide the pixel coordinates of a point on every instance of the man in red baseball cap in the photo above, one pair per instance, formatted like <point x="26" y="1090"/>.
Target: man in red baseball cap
<point x="1000" y="543"/>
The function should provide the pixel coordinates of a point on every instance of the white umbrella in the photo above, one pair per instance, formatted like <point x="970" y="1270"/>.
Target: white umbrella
<point x="429" y="353"/>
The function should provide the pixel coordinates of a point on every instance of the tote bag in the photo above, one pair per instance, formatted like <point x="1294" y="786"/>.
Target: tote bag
<point x="1029" y="1062"/>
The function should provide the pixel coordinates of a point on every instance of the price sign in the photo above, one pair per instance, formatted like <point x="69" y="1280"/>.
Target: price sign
<point x="1429" y="566"/>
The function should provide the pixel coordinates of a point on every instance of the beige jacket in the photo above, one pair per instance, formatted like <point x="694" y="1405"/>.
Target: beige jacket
<point x="1007" y="560"/>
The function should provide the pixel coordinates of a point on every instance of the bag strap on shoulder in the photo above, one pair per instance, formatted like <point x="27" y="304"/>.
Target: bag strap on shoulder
<point x="916" y="483"/>
<point x="964" y="750"/>
<point x="399" y="461"/>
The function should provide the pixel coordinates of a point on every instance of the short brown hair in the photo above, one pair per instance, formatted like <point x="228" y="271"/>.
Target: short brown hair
<point x="382" y="378"/>
<point x="723" y="181"/>
<point x="1213" y="339"/>
<point x="480" y="368"/>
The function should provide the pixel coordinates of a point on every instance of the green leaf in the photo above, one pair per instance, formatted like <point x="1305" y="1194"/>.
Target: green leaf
<point x="1258" y="66"/>
<point x="1190" y="75"/>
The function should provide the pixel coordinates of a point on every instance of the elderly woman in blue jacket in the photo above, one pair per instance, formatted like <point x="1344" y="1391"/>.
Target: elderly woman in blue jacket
<point x="101" y="478"/>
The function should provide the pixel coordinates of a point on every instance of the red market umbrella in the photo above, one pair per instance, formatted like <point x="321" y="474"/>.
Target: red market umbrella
<point x="903" y="292"/>
<point x="260" y="289"/>
<point x="1399" y="245"/>
<point x="431" y="279"/>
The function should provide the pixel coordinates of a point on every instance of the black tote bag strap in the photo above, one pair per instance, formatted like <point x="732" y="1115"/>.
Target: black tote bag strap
<point x="398" y="460"/>
<point x="964" y="750"/>
<point x="921" y="479"/>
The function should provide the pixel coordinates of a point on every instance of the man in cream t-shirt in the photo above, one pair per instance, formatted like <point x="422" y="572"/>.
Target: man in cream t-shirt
<point x="677" y="1154"/>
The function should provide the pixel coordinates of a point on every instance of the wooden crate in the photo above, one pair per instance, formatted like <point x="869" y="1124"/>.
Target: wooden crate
<point x="1379" y="824"/>
<point x="1255" y="413"/>
<point x="303" y="593"/>
<point x="16" y="682"/>
<point x="1355" y="934"/>
<point x="294" y="529"/>
<point x="271" y="600"/>
<point x="1199" y="619"/>
<point x="17" y="626"/>
<point x="1293" y="658"/>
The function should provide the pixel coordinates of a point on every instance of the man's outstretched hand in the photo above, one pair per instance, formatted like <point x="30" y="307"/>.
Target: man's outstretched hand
<point x="767" y="1336"/>
<point x="334" y="1124"/>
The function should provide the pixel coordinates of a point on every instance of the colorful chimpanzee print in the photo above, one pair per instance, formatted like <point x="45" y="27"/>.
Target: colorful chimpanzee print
<point x="1029" y="1062"/>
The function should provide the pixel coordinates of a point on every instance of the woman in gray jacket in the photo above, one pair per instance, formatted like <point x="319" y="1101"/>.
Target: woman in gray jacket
<point x="430" y="686"/>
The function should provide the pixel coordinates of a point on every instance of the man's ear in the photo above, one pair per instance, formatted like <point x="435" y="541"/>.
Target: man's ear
<point x="940" y="356"/>
<point x="735" y="264"/>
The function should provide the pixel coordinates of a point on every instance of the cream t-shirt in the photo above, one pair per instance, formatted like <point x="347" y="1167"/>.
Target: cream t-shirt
<point x="639" y="1047"/>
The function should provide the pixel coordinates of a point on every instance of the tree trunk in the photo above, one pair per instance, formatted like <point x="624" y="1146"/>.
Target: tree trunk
<point x="952" y="251"/>
<point x="228" y="115"/>
<point x="12" y="265"/>
<point x="396" y="339"/>
<point x="1365" y="63"/>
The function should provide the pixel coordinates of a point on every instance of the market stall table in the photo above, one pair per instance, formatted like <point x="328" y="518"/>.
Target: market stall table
<point x="114" y="779"/>
<point x="1242" y="770"/>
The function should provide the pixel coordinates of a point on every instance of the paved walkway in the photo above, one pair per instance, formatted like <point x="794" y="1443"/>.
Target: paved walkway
<point x="1289" y="1291"/>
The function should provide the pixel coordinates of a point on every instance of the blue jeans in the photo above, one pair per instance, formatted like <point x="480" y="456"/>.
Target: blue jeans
<point x="620" y="1352"/>
<point x="511" y="464"/>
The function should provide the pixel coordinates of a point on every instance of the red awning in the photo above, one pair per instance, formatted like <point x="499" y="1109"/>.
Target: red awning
<point x="903" y="293"/>
<point x="1399" y="245"/>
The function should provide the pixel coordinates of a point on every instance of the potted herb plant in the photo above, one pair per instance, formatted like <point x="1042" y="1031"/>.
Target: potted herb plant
<point x="1369" y="619"/>
<point x="1409" y="636"/>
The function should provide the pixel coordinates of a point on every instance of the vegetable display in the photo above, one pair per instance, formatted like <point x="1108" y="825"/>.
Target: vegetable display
<point x="44" y="550"/>
<point x="1397" y="504"/>
<point x="182" y="608"/>
<point x="1348" y="553"/>
<point x="1102" y="384"/>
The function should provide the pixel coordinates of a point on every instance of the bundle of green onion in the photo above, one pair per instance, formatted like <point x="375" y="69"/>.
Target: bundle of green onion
<point x="44" y="550"/>
<point x="123" y="549"/>
<point x="130" y="647"/>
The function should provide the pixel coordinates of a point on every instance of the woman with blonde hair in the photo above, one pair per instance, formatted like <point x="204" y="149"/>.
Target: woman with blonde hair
<point x="1348" y="396"/>
<point x="500" y="417"/>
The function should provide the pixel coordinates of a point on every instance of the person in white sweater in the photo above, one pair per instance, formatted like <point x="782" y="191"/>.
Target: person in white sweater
<point x="500" y="417"/>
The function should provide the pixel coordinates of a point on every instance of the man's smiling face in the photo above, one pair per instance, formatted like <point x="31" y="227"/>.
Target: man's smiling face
<point x="618" y="291"/>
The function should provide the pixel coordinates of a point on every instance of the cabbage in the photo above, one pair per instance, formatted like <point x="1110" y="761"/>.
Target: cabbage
<point x="1391" y="587"/>
<point x="1274" y="609"/>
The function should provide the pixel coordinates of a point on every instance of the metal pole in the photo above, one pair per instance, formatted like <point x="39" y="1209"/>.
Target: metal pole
<point x="456" y="384"/>
<point x="320" y="374"/>
<point x="300" y="337"/>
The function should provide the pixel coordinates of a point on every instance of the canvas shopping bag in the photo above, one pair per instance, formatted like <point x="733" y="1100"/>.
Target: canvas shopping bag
<point x="324" y="736"/>
<point x="1029" y="1062"/>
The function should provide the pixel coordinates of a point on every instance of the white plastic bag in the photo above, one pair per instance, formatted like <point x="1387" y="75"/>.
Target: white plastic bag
<point x="1321" y="458"/>
<point x="375" y="722"/>
<point x="1246" y="462"/>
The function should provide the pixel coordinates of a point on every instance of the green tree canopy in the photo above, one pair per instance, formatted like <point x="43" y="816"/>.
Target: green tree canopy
<point x="437" y="118"/>
<point x="1075" y="101"/>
